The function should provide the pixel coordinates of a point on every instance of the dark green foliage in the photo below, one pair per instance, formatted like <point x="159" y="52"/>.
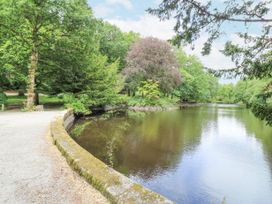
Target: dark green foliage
<point x="257" y="95"/>
<point x="100" y="88"/>
<point x="79" y="104"/>
<point x="262" y="107"/>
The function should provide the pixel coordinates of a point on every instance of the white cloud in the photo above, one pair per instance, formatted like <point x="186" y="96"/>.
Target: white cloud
<point x="125" y="3"/>
<point x="216" y="59"/>
<point x="102" y="10"/>
<point x="108" y="7"/>
<point x="148" y="25"/>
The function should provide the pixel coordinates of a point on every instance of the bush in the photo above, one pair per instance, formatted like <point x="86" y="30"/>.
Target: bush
<point x="149" y="89"/>
<point x="79" y="103"/>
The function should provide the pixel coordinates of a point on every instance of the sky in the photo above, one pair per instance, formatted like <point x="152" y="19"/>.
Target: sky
<point x="131" y="15"/>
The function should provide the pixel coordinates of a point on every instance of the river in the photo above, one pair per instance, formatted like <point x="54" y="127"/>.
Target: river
<point x="207" y="154"/>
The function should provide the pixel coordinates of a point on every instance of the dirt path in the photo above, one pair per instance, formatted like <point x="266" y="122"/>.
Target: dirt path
<point x="31" y="168"/>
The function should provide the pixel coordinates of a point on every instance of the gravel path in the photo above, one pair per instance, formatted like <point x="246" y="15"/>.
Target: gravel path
<point x="32" y="169"/>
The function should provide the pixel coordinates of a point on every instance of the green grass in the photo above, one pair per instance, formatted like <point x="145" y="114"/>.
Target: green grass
<point x="15" y="100"/>
<point x="44" y="100"/>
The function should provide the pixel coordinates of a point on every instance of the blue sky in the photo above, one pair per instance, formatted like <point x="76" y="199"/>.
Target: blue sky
<point x="125" y="9"/>
<point x="131" y="15"/>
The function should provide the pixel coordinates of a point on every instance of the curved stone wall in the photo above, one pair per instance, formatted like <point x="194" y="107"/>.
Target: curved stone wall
<point x="114" y="185"/>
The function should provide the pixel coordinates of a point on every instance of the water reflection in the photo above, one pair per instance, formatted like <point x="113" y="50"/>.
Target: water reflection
<point x="144" y="143"/>
<point x="258" y="130"/>
<point x="197" y="155"/>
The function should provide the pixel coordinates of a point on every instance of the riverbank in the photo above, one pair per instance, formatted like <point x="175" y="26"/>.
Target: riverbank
<point x="32" y="169"/>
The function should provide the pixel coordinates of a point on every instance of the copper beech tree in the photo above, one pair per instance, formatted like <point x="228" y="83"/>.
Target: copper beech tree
<point x="152" y="59"/>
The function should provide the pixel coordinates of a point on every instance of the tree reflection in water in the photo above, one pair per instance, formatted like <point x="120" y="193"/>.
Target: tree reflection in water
<point x="146" y="144"/>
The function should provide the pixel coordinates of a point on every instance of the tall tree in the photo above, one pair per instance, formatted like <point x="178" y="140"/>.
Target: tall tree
<point x="63" y="66"/>
<point x="34" y="23"/>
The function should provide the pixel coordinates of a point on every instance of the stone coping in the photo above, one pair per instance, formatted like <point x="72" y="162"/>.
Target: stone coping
<point x="112" y="184"/>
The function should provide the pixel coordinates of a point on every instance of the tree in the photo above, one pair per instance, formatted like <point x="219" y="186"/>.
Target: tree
<point x="76" y="66"/>
<point x="253" y="93"/>
<point x="100" y="88"/>
<point x="33" y="23"/>
<point x="114" y="43"/>
<point x="198" y="85"/>
<point x="152" y="59"/>
<point x="64" y="66"/>
<point x="36" y="25"/>
<point x="225" y="93"/>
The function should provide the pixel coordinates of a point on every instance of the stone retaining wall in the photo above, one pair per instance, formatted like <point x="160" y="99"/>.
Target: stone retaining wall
<point x="152" y="108"/>
<point x="112" y="184"/>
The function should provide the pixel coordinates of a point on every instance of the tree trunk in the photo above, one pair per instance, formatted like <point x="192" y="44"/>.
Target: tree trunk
<point x="31" y="79"/>
<point x="37" y="98"/>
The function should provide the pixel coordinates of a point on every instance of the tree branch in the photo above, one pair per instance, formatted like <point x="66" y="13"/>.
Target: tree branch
<point x="198" y="6"/>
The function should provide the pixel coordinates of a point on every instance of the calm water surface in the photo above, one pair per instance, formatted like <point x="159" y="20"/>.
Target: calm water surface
<point x="207" y="154"/>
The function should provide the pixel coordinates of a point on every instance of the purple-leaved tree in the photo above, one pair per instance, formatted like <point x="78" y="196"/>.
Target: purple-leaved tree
<point x="152" y="59"/>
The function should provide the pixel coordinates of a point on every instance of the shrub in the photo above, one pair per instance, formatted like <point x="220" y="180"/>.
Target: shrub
<point x="79" y="103"/>
<point x="149" y="89"/>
